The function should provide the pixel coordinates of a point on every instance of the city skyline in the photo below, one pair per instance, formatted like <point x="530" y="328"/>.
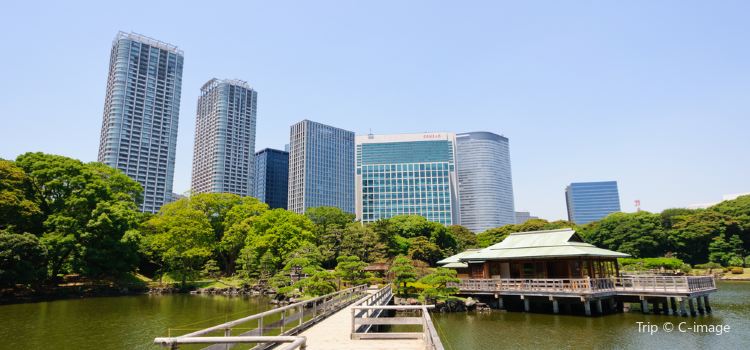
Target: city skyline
<point x="635" y="101"/>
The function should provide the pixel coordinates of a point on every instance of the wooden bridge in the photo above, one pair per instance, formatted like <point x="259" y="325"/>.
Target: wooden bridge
<point x="340" y="320"/>
<point x="664" y="292"/>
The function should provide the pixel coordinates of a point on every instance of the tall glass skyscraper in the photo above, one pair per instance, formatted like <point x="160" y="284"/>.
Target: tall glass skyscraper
<point x="484" y="181"/>
<point x="223" y="156"/>
<point x="591" y="201"/>
<point x="407" y="174"/>
<point x="321" y="167"/>
<point x="272" y="177"/>
<point x="141" y="113"/>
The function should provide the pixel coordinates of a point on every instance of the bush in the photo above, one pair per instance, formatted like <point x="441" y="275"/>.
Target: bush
<point x="737" y="270"/>
<point x="708" y="266"/>
<point x="651" y="263"/>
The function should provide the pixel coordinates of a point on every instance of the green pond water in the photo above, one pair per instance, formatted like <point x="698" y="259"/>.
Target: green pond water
<point x="131" y="322"/>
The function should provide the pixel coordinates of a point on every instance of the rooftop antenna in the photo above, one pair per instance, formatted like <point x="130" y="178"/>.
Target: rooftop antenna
<point x="637" y="205"/>
<point x="370" y="135"/>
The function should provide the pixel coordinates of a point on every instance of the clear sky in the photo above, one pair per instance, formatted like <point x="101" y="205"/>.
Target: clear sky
<point x="653" y="94"/>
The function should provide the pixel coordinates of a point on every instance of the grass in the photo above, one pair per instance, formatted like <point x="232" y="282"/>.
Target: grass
<point x="744" y="275"/>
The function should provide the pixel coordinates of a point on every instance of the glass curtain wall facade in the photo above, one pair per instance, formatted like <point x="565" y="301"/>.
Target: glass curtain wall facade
<point x="223" y="155"/>
<point x="412" y="174"/>
<point x="141" y="114"/>
<point x="272" y="177"/>
<point x="591" y="201"/>
<point x="484" y="180"/>
<point x="321" y="167"/>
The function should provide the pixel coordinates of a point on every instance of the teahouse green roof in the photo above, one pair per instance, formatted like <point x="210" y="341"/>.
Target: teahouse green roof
<point x="536" y="244"/>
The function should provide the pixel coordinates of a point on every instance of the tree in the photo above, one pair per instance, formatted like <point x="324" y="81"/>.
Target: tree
<point x="465" y="239"/>
<point x="275" y="233"/>
<point x="362" y="241"/>
<point x="320" y="283"/>
<point x="179" y="239"/>
<point x="351" y="270"/>
<point x="691" y="235"/>
<point x="404" y="272"/>
<point x="330" y="228"/>
<point x="421" y="248"/>
<point x="88" y="211"/>
<point x="720" y="251"/>
<point x="237" y="222"/>
<point x="22" y="259"/>
<point x="639" y="234"/>
<point x="17" y="209"/>
<point x="498" y="234"/>
<point x="438" y="282"/>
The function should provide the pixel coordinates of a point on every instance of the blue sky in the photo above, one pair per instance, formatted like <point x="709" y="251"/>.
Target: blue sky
<point x="653" y="94"/>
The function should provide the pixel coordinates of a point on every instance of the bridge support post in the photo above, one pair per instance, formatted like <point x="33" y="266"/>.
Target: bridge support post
<point x="500" y="303"/>
<point x="667" y="305"/>
<point x="692" y="307"/>
<point x="673" y="301"/>
<point x="612" y="304"/>
<point x="701" y="310"/>
<point x="599" y="308"/>
<point x="587" y="307"/>
<point x="708" y="306"/>
<point x="555" y="306"/>
<point x="683" y="312"/>
<point x="526" y="305"/>
<point x="644" y="305"/>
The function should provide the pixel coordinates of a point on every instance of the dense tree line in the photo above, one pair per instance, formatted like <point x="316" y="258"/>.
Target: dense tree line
<point x="61" y="216"/>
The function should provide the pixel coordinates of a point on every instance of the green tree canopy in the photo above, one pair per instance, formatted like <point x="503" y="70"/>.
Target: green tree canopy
<point x="438" y="282"/>
<point x="351" y="270"/>
<point x="275" y="233"/>
<point x="330" y="226"/>
<point x="465" y="239"/>
<point x="22" y="259"/>
<point x="179" y="238"/>
<point x="691" y="235"/>
<point x="638" y="234"/>
<point x="403" y="272"/>
<point x="87" y="211"/>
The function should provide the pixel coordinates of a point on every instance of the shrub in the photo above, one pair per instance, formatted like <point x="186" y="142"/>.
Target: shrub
<point x="737" y="270"/>
<point x="651" y="263"/>
<point x="708" y="266"/>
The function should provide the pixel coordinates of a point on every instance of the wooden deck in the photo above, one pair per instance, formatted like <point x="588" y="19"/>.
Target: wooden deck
<point x="335" y="333"/>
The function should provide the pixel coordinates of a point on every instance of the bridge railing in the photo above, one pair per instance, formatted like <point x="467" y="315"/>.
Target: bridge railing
<point x="294" y="342"/>
<point x="428" y="333"/>
<point x="382" y="297"/>
<point x="283" y="321"/>
<point x="625" y="283"/>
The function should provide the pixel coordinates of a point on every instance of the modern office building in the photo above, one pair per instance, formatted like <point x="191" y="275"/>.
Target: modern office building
<point x="321" y="167"/>
<point x="272" y="177"/>
<point x="407" y="174"/>
<point x="591" y="201"/>
<point x="484" y="181"/>
<point x="523" y="216"/>
<point x="141" y="114"/>
<point x="223" y="156"/>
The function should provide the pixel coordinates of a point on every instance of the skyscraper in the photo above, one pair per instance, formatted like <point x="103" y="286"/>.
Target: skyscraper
<point x="591" y="201"/>
<point x="272" y="177"/>
<point x="321" y="167"/>
<point x="407" y="174"/>
<point x="141" y="114"/>
<point x="225" y="138"/>
<point x="484" y="181"/>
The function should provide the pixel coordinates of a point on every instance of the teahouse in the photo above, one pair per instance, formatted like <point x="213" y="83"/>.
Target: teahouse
<point x="557" y="267"/>
<point x="538" y="254"/>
